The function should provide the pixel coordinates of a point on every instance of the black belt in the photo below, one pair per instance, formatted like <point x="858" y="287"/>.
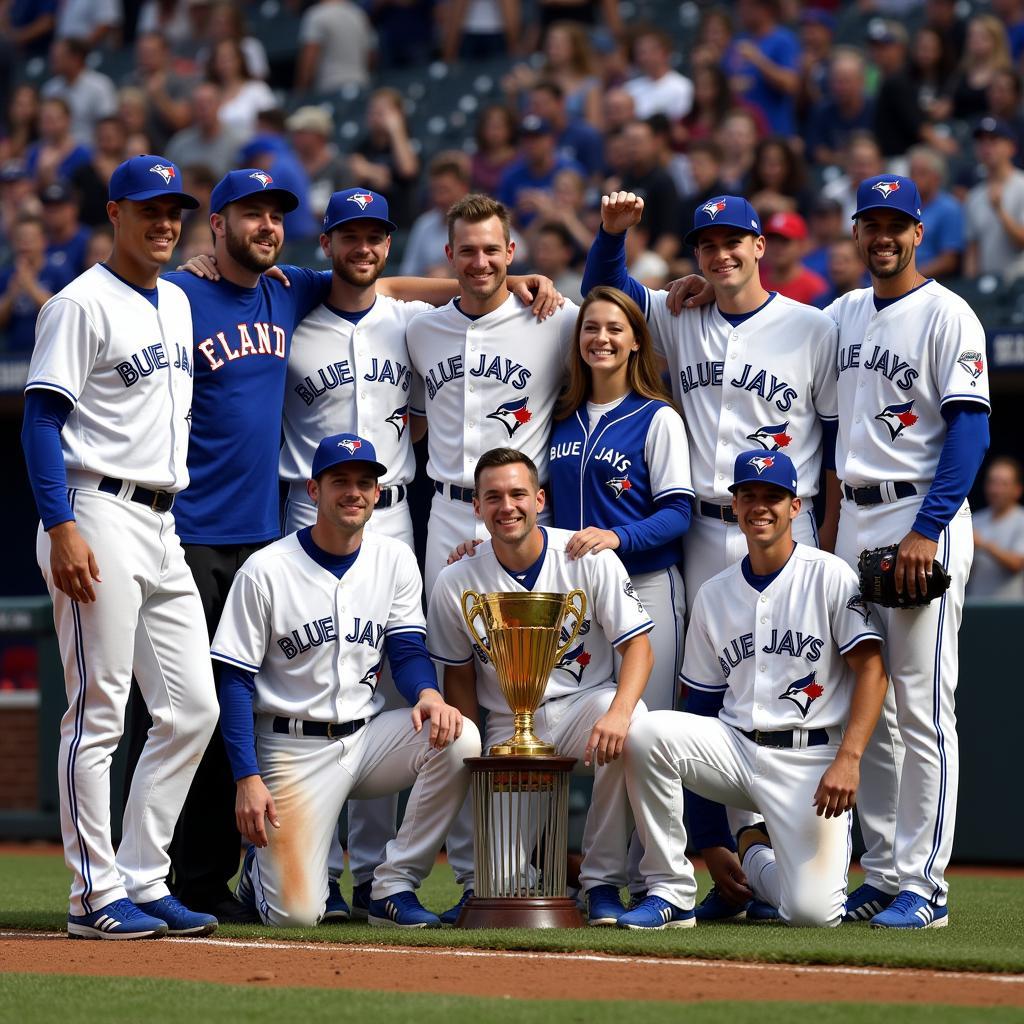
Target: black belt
<point x="722" y="512"/>
<point x="332" y="730"/>
<point x="784" y="739"/>
<point x="874" y="496"/>
<point x="390" y="496"/>
<point x="455" y="492"/>
<point x="158" y="501"/>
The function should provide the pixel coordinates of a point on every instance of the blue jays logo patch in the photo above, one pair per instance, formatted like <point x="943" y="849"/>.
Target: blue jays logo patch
<point x="361" y="199"/>
<point x="772" y="437"/>
<point x="713" y="208"/>
<point x="619" y="485"/>
<point x="803" y="693"/>
<point x="630" y="591"/>
<point x="164" y="171"/>
<point x="399" y="419"/>
<point x="262" y="177"/>
<point x="973" y="363"/>
<point x="575" y="662"/>
<point x="372" y="678"/>
<point x="512" y="415"/>
<point x="885" y="188"/>
<point x="859" y="605"/>
<point x="897" y="418"/>
<point x="761" y="463"/>
<point x="350" y="444"/>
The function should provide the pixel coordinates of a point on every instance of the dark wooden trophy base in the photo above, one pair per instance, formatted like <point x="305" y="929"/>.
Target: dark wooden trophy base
<point x="526" y="912"/>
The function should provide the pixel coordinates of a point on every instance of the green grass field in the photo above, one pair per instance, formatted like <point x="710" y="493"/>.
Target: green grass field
<point x="986" y="931"/>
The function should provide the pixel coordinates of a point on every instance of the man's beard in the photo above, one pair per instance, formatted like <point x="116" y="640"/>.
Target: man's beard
<point x="349" y="276"/>
<point x="244" y="255"/>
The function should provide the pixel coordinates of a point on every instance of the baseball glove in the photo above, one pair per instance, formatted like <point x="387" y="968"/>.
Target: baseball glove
<point x="877" y="569"/>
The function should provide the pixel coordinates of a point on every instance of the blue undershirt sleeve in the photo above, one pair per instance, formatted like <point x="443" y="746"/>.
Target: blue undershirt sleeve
<point x="709" y="824"/>
<point x="46" y="412"/>
<point x="829" y="433"/>
<point x="237" y="686"/>
<point x="411" y="667"/>
<point x="311" y="287"/>
<point x="606" y="264"/>
<point x="669" y="522"/>
<point x="967" y="440"/>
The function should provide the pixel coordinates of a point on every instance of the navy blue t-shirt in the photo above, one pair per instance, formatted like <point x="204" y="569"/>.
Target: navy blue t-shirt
<point x="242" y="337"/>
<point x="21" y="329"/>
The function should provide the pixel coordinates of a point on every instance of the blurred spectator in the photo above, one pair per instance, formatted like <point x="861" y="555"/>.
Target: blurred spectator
<point x="658" y="89"/>
<point x="534" y="171"/>
<point x="825" y="226"/>
<point x="271" y="153"/>
<point x="987" y="51"/>
<point x="198" y="181"/>
<point x="576" y="139"/>
<point x="312" y="130"/>
<point x="66" y="239"/>
<point x="714" y="34"/>
<point x="1011" y="14"/>
<point x="165" y="92"/>
<point x="25" y="286"/>
<point x="173" y="20"/>
<point x="336" y="41"/>
<point x="480" y="29"/>
<point x="581" y="12"/>
<point x="89" y="94"/>
<point x="899" y="120"/>
<point x="782" y="269"/>
<point x="22" y="122"/>
<point x="675" y="163"/>
<point x="56" y="155"/>
<point x="101" y="245"/>
<point x="29" y="25"/>
<point x="845" y="272"/>
<point x="816" y="31"/>
<point x="998" y="569"/>
<point x="643" y="262"/>
<point x="617" y="109"/>
<point x="845" y="110"/>
<point x="207" y="140"/>
<point x="17" y="197"/>
<point x="1004" y="102"/>
<point x="712" y="101"/>
<point x="995" y="207"/>
<point x="194" y="241"/>
<point x="930" y="70"/>
<point x="243" y="97"/>
<point x="405" y="32"/>
<point x="447" y="183"/>
<point x="942" y="244"/>
<point x="496" y="137"/>
<point x="654" y="185"/>
<point x="862" y="159"/>
<point x="943" y="17"/>
<point x="552" y="251"/>
<point x="227" y="21"/>
<point x="737" y="139"/>
<point x="706" y="171"/>
<point x="136" y="144"/>
<point x="777" y="181"/>
<point x="384" y="159"/>
<point x="131" y="110"/>
<point x="95" y="22"/>
<point x="566" y="206"/>
<point x="763" y="63"/>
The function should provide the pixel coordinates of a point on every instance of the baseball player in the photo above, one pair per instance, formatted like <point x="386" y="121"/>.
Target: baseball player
<point x="913" y="429"/>
<point x="753" y="369"/>
<point x="307" y="622"/>
<point x="105" y="436"/>
<point x="786" y="644"/>
<point x="584" y="712"/>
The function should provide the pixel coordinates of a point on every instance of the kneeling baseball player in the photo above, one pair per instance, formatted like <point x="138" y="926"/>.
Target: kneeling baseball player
<point x="307" y="624"/>
<point x="784" y="643"/>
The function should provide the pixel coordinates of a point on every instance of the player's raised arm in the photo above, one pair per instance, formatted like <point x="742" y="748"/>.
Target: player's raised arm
<point x="606" y="260"/>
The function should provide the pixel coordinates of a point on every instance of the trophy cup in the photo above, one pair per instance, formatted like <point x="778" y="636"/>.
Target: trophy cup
<point x="520" y="790"/>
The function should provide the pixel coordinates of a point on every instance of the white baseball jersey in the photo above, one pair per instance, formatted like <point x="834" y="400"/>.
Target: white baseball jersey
<point x="355" y="377"/>
<point x="316" y="642"/>
<point x="897" y="368"/>
<point x="489" y="383"/>
<point x="612" y="607"/>
<point x="127" y="367"/>
<point x="766" y="383"/>
<point x="777" y="654"/>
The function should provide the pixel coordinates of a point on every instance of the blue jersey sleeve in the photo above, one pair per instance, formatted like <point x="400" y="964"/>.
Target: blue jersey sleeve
<point x="606" y="264"/>
<point x="46" y="412"/>
<point x="411" y="667"/>
<point x="309" y="288"/>
<point x="709" y="824"/>
<point x="236" y="690"/>
<point x="967" y="440"/>
<point x="670" y="520"/>
<point x="829" y="433"/>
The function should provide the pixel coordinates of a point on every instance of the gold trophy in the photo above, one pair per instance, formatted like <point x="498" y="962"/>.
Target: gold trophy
<point x="522" y="640"/>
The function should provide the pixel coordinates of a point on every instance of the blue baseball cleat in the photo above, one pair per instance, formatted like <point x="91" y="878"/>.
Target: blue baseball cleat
<point x="336" y="908"/>
<point x="865" y="902"/>
<point x="244" y="891"/>
<point x="178" y="918"/>
<point x="451" y="915"/>
<point x="361" y="900"/>
<point x="908" y="910"/>
<point x="603" y="905"/>
<point x="655" y="913"/>
<point x="758" y="910"/>
<point x="715" y="907"/>
<point x="402" y="910"/>
<point x="118" y="920"/>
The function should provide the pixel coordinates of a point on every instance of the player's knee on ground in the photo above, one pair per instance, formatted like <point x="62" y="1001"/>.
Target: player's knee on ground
<point x="806" y="910"/>
<point x="294" y="917"/>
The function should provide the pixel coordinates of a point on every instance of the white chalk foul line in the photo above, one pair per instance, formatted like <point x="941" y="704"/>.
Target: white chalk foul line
<point x="611" y="958"/>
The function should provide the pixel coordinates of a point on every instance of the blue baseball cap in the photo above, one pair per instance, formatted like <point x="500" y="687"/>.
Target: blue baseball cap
<point x="889" y="192"/>
<point x="724" y="211"/>
<point x="357" y="204"/>
<point x="339" y="448"/>
<point x="761" y="466"/>
<point x="246" y="182"/>
<point x="147" y="177"/>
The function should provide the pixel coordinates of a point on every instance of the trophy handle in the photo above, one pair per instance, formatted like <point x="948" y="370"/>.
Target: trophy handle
<point x="576" y="606"/>
<point x="473" y="609"/>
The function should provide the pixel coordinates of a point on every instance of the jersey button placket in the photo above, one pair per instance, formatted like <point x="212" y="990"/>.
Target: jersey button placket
<point x="474" y="396"/>
<point x="341" y="602"/>
<point x="724" y="455"/>
<point x="762" y="681"/>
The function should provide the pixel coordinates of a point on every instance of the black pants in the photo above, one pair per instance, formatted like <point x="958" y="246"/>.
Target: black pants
<point x="205" y="848"/>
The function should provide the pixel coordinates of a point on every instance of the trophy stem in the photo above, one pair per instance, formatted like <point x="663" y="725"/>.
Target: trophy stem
<point x="523" y="742"/>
